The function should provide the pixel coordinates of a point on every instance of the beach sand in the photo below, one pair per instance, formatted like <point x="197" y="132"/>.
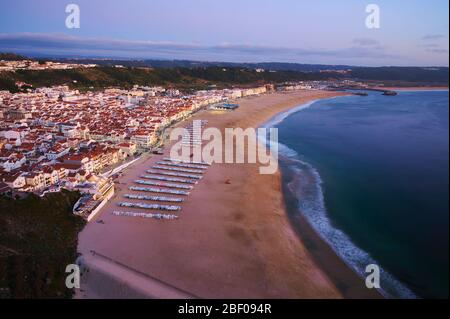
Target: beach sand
<point x="233" y="238"/>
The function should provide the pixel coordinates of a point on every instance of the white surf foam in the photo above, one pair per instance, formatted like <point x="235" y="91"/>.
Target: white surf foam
<point x="311" y="203"/>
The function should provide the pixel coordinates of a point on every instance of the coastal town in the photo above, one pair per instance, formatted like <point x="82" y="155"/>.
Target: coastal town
<point x="60" y="137"/>
<point x="16" y="65"/>
<point x="54" y="138"/>
<point x="243" y="152"/>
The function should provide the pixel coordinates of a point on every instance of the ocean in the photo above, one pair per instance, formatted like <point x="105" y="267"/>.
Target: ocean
<point x="371" y="175"/>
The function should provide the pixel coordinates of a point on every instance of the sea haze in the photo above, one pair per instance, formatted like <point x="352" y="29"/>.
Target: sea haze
<point x="371" y="175"/>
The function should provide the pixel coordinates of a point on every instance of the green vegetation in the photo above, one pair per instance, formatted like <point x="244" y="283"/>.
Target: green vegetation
<point x="38" y="239"/>
<point x="7" y="83"/>
<point x="437" y="75"/>
<point x="183" y="78"/>
<point x="12" y="57"/>
<point x="194" y="75"/>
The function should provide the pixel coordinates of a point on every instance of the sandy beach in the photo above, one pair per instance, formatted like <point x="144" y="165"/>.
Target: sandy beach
<point x="233" y="238"/>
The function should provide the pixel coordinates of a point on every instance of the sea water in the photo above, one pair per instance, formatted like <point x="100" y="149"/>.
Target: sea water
<point x="371" y="175"/>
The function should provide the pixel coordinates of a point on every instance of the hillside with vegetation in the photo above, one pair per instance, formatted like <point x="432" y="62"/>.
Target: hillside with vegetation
<point x="11" y="57"/>
<point x="183" y="74"/>
<point x="437" y="75"/>
<point x="38" y="239"/>
<point x="183" y="78"/>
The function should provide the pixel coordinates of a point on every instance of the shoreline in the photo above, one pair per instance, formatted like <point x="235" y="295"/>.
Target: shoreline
<point x="236" y="243"/>
<point x="350" y="283"/>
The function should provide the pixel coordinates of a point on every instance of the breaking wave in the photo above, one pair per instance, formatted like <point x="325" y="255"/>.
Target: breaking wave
<point x="305" y="185"/>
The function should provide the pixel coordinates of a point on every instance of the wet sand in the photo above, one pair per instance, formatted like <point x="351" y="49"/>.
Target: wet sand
<point x="233" y="238"/>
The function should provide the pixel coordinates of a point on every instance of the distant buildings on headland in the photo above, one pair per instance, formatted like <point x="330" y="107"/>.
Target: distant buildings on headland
<point x="36" y="65"/>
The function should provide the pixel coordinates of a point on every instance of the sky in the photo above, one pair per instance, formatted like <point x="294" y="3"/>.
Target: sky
<point x="410" y="33"/>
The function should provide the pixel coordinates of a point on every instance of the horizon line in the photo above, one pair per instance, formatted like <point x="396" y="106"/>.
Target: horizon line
<point x="63" y="45"/>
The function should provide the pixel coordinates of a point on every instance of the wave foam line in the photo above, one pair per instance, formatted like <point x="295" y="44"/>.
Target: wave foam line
<point x="312" y="205"/>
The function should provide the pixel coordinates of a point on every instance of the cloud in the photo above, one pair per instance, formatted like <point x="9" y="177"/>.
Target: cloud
<point x="66" y="45"/>
<point x="433" y="47"/>
<point x="429" y="45"/>
<point x="438" y="51"/>
<point x="366" y="42"/>
<point x="433" y="37"/>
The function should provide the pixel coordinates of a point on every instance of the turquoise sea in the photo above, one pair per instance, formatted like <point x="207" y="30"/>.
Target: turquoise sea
<point x="371" y="175"/>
